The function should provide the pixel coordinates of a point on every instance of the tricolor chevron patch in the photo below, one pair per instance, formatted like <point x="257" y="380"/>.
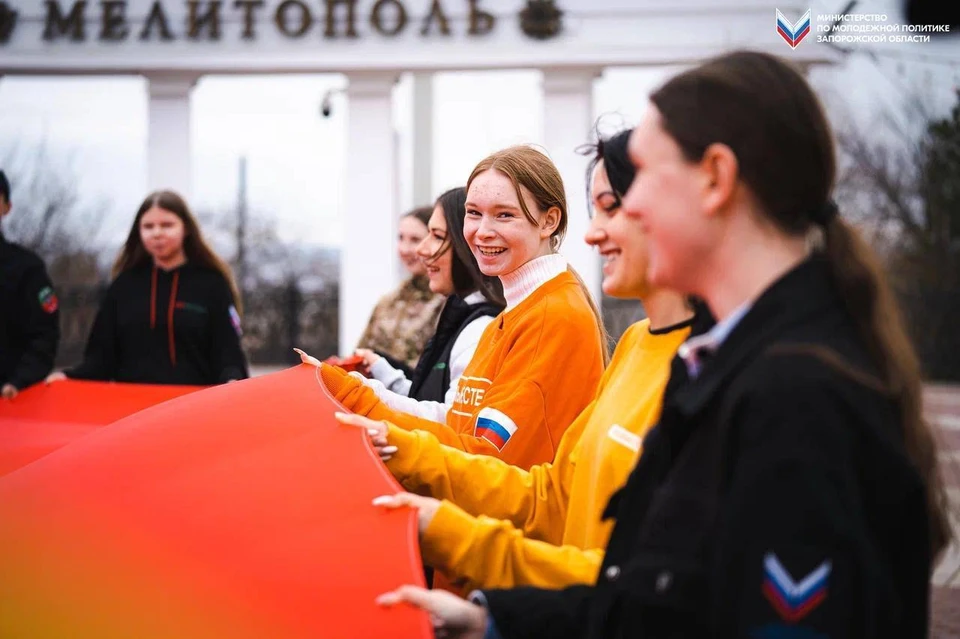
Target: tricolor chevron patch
<point x="793" y="601"/>
<point x="793" y="32"/>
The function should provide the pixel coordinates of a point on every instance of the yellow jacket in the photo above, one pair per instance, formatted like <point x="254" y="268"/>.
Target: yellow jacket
<point x="552" y="535"/>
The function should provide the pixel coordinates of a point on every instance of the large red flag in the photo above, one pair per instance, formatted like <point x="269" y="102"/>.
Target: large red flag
<point x="44" y="418"/>
<point x="238" y="511"/>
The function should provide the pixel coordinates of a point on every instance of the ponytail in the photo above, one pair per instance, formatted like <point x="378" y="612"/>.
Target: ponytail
<point x="870" y="302"/>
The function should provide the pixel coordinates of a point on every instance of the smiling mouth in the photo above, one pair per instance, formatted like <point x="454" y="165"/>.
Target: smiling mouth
<point x="490" y="252"/>
<point x="610" y="256"/>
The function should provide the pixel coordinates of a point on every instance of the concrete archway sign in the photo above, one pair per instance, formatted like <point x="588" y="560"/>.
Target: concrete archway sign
<point x="236" y="512"/>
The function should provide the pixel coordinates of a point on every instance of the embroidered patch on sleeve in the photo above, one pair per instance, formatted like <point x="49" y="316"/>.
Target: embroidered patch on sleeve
<point x="495" y="427"/>
<point x="235" y="320"/>
<point x="48" y="300"/>
<point x="794" y="599"/>
<point x="624" y="437"/>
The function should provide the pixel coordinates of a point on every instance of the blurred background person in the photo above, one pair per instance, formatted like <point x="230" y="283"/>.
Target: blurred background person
<point x="29" y="312"/>
<point x="172" y="313"/>
<point x="404" y="319"/>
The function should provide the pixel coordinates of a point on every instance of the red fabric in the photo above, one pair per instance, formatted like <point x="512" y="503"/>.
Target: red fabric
<point x="239" y="511"/>
<point x="44" y="418"/>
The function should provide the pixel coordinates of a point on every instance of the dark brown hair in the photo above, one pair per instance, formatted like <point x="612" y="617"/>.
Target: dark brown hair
<point x="762" y="108"/>
<point x="134" y="254"/>
<point x="467" y="276"/>
<point x="421" y="213"/>
<point x="528" y="168"/>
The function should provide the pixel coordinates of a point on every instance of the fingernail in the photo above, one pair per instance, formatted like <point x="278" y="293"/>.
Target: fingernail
<point x="373" y="432"/>
<point x="389" y="450"/>
<point x="382" y="500"/>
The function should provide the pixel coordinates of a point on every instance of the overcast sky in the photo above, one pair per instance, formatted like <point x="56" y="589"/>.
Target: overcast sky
<point x="98" y="126"/>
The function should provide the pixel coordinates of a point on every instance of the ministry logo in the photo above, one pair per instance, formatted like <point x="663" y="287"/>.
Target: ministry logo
<point x="793" y="32"/>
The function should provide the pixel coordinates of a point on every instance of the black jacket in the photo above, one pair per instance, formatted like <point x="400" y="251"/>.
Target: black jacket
<point x="29" y="317"/>
<point x="773" y="500"/>
<point x="137" y="337"/>
<point x="431" y="378"/>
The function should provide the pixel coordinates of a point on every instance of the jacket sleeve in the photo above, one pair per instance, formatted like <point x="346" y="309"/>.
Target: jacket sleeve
<point x="534" y="501"/>
<point x="532" y="613"/>
<point x="226" y="353"/>
<point x="393" y="379"/>
<point x="362" y="400"/>
<point x="489" y="553"/>
<point x="366" y="337"/>
<point x="432" y="411"/>
<point x="40" y="328"/>
<point x="100" y="357"/>
<point x="792" y="538"/>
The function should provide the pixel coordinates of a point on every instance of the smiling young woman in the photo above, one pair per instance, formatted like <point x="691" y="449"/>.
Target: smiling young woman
<point x="404" y="318"/>
<point x="538" y="363"/>
<point x="472" y="301"/>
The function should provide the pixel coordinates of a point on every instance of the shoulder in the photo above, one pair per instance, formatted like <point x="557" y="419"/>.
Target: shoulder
<point x="207" y="278"/>
<point x="808" y="397"/>
<point x="634" y="334"/>
<point x="567" y="308"/>
<point x="22" y="259"/>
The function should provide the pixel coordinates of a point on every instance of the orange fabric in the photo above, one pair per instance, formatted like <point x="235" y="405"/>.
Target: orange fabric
<point x="44" y="418"/>
<point x="236" y="512"/>
<point x="536" y="367"/>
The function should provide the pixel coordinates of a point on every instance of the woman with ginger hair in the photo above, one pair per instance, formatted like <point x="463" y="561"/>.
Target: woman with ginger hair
<point x="538" y="363"/>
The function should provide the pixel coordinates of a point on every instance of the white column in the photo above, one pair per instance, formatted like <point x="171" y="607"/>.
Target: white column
<point x="423" y="139"/>
<point x="568" y="123"/>
<point x="168" y="131"/>
<point x="368" y="267"/>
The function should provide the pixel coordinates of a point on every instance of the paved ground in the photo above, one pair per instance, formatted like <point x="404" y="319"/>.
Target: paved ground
<point x="943" y="409"/>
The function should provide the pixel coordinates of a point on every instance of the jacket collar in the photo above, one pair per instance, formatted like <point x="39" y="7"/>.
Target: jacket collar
<point x="805" y="292"/>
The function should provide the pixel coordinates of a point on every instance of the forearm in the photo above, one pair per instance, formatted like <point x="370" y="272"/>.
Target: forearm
<point x="491" y="553"/>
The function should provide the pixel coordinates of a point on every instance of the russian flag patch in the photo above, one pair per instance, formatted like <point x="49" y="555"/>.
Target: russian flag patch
<point x="794" y="600"/>
<point x="495" y="427"/>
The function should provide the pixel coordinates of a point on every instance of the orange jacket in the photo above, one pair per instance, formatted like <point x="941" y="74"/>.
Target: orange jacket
<point x="536" y="367"/>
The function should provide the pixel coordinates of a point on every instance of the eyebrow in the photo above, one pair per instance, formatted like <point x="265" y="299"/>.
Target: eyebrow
<point x="496" y="205"/>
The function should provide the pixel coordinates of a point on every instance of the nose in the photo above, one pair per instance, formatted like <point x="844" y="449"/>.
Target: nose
<point x="423" y="250"/>
<point x="631" y="204"/>
<point x="596" y="234"/>
<point x="485" y="228"/>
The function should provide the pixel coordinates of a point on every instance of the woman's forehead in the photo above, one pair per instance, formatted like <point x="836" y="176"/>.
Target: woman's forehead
<point x="494" y="188"/>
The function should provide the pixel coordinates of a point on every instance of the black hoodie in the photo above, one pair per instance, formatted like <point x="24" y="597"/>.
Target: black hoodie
<point x="165" y="327"/>
<point x="29" y="317"/>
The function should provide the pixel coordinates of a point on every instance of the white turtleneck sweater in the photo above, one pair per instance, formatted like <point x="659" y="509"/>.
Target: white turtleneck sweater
<point x="521" y="283"/>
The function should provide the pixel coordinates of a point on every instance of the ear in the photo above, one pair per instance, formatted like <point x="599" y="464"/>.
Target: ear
<point x="549" y="222"/>
<point x="721" y="172"/>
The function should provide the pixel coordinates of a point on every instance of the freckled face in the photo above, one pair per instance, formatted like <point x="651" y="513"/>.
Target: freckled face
<point x="499" y="234"/>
